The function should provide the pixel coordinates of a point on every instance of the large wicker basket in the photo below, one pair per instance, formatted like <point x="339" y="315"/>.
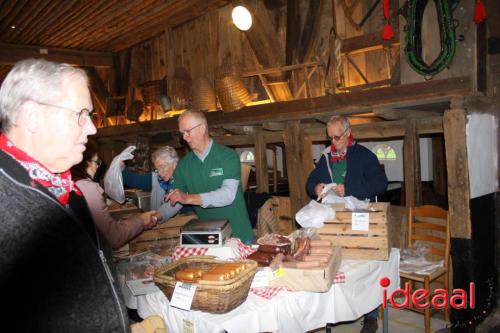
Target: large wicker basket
<point x="213" y="296"/>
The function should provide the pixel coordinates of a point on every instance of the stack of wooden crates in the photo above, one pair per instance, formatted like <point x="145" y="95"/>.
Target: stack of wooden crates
<point x="373" y="244"/>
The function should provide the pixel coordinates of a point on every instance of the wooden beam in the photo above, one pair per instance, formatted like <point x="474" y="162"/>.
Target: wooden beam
<point x="98" y="87"/>
<point x="310" y="29"/>
<point x="411" y="165"/>
<point x="383" y="129"/>
<point x="292" y="30"/>
<point x="262" y="36"/>
<point x="274" y="137"/>
<point x="261" y="163"/>
<point x="366" y="43"/>
<point x="438" y="165"/>
<point x="347" y="104"/>
<point x="10" y="54"/>
<point x="235" y="140"/>
<point x="280" y="69"/>
<point x="299" y="161"/>
<point x="454" y="123"/>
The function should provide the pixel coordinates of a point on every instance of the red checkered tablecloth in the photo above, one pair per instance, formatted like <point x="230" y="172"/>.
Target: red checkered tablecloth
<point x="243" y="252"/>
<point x="270" y="292"/>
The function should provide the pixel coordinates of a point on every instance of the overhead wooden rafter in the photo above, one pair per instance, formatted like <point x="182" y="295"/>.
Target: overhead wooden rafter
<point x="399" y="97"/>
<point x="10" y="54"/>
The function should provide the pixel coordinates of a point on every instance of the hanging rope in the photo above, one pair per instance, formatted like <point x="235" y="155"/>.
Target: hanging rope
<point x="414" y="13"/>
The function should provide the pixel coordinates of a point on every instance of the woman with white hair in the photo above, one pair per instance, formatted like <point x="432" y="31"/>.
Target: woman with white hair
<point x="159" y="182"/>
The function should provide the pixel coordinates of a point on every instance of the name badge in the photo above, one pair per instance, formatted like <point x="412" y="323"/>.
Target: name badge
<point x="216" y="172"/>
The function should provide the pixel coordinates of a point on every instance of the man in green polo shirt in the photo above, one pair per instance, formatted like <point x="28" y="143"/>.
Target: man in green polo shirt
<point x="209" y="177"/>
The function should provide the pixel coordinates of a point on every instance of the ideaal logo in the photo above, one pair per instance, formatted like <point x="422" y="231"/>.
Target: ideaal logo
<point x="439" y="298"/>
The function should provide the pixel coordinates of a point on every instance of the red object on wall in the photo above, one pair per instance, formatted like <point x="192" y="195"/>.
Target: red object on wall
<point x="479" y="12"/>
<point x="388" y="33"/>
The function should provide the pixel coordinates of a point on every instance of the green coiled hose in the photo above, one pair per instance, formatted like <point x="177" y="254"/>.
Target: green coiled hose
<point x="413" y="14"/>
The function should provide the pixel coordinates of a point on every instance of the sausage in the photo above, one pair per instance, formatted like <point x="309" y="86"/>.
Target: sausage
<point x="185" y="276"/>
<point x="214" y="276"/>
<point x="269" y="248"/>
<point x="275" y="248"/>
<point x="322" y="258"/>
<point x="239" y="267"/>
<point x="196" y="271"/>
<point x="262" y="258"/>
<point x="308" y="264"/>
<point x="229" y="272"/>
<point x="321" y="242"/>
<point x="321" y="250"/>
<point x="301" y="264"/>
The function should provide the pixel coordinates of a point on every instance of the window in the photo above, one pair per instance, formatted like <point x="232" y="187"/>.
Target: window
<point x="384" y="152"/>
<point x="247" y="156"/>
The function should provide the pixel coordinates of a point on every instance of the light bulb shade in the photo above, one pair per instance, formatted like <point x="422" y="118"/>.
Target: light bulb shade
<point x="242" y="18"/>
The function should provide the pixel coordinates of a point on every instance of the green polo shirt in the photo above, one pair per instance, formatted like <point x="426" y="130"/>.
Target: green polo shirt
<point x="194" y="176"/>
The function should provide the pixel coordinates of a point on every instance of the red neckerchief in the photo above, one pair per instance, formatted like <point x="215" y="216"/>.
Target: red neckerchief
<point x="59" y="184"/>
<point x="335" y="156"/>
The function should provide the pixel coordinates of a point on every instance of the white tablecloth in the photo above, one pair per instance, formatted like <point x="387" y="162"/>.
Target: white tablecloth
<point x="288" y="311"/>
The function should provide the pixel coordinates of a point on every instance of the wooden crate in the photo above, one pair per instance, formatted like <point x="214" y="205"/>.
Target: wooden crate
<point x="281" y="207"/>
<point x="373" y="244"/>
<point x="165" y="234"/>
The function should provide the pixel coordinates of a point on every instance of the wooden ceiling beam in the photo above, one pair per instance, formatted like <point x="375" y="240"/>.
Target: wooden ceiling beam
<point x="10" y="54"/>
<point x="366" y="43"/>
<point x="347" y="104"/>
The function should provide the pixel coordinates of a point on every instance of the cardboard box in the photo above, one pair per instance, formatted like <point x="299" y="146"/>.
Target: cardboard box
<point x="162" y="235"/>
<point x="373" y="244"/>
<point x="310" y="279"/>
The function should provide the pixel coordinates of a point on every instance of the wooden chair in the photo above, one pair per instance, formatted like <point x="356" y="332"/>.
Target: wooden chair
<point x="430" y="225"/>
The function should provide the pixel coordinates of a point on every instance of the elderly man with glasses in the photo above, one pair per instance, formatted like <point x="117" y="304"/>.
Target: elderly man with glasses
<point x="54" y="275"/>
<point x="209" y="177"/>
<point x="356" y="172"/>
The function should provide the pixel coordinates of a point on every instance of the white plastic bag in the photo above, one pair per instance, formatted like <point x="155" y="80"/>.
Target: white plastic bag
<point x="352" y="203"/>
<point x="113" y="181"/>
<point x="314" y="214"/>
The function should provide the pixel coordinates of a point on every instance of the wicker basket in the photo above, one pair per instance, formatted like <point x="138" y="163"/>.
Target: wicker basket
<point x="203" y="95"/>
<point x="181" y="88"/>
<point x="231" y="91"/>
<point x="210" y="296"/>
<point x="152" y="90"/>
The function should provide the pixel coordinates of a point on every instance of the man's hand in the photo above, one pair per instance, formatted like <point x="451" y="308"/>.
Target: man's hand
<point x="177" y="196"/>
<point x="150" y="219"/>
<point x="339" y="190"/>
<point x="318" y="188"/>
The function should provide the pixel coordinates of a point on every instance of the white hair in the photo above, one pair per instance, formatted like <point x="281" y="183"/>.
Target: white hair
<point x="195" y="114"/>
<point x="340" y="119"/>
<point x="165" y="154"/>
<point x="36" y="80"/>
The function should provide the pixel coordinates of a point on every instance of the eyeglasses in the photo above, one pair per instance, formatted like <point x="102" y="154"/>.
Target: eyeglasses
<point x="338" y="137"/>
<point x="160" y="168"/>
<point x="84" y="115"/>
<point x="188" y="131"/>
<point x="97" y="162"/>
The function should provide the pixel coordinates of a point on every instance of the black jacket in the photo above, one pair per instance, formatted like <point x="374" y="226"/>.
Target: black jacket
<point x="365" y="177"/>
<point x="53" y="273"/>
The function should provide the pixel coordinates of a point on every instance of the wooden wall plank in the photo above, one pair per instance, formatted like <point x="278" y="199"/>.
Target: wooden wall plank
<point x="439" y="165"/>
<point x="411" y="163"/>
<point x="455" y="140"/>
<point x="261" y="163"/>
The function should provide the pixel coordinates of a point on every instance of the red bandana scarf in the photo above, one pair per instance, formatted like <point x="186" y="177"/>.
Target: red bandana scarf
<point x="336" y="156"/>
<point x="59" y="184"/>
